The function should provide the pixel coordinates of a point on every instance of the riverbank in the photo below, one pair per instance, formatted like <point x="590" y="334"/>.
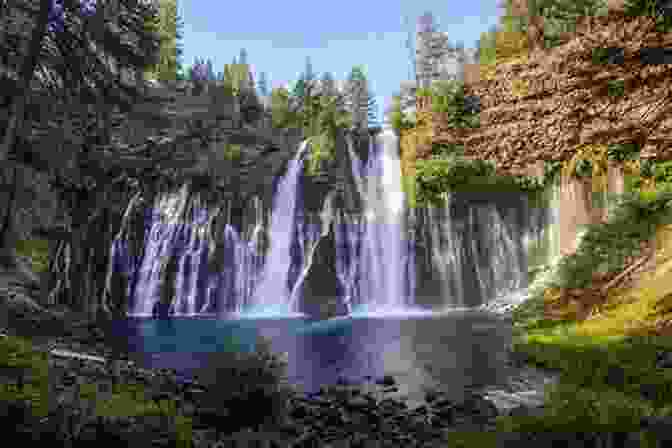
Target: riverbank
<point x="611" y="389"/>
<point x="78" y="384"/>
<point x="87" y="394"/>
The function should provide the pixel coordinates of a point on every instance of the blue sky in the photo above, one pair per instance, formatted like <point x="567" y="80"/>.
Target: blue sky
<point x="278" y="35"/>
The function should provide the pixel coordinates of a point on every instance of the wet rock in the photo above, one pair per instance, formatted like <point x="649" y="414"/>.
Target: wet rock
<point x="387" y="380"/>
<point x="527" y="411"/>
<point x="659" y="425"/>
<point x="431" y="396"/>
<point x="664" y="360"/>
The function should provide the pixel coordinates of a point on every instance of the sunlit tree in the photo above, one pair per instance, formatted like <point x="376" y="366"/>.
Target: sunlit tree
<point x="361" y="103"/>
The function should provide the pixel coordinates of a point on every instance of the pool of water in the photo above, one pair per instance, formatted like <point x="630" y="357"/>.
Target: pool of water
<point x="449" y="351"/>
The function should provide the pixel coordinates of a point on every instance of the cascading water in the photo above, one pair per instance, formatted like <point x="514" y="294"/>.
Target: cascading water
<point x="373" y="253"/>
<point x="272" y="293"/>
<point x="477" y="250"/>
<point x="180" y="263"/>
<point x="198" y="271"/>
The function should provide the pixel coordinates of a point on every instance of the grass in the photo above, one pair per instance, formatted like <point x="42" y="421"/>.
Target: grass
<point x="229" y="376"/>
<point x="124" y="399"/>
<point x="609" y="379"/>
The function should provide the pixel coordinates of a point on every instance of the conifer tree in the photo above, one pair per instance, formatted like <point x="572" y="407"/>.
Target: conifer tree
<point x="262" y="84"/>
<point x="168" y="24"/>
<point x="361" y="103"/>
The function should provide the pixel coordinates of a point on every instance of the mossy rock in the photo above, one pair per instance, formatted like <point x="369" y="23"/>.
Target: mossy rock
<point x="37" y="250"/>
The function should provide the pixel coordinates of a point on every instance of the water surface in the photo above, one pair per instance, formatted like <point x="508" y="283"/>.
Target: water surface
<point x="449" y="351"/>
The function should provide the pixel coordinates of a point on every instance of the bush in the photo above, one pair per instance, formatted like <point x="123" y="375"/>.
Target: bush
<point x="442" y="174"/>
<point x="248" y="387"/>
<point x="608" y="245"/>
<point x="38" y="252"/>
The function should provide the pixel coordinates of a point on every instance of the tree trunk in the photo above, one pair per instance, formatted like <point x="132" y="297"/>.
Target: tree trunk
<point x="15" y="125"/>
<point x="27" y="69"/>
<point x="8" y="235"/>
<point x="79" y="267"/>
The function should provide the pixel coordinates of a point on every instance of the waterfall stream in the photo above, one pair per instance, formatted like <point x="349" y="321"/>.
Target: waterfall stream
<point x="472" y="250"/>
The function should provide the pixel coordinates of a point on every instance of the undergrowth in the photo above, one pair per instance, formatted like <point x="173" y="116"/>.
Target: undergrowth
<point x="37" y="250"/>
<point x="30" y="397"/>
<point x="606" y="246"/>
<point x="609" y="379"/>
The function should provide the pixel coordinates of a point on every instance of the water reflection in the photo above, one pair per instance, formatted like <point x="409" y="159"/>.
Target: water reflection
<point x="449" y="351"/>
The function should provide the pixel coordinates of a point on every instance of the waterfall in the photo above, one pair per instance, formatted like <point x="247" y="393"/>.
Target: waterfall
<point x="477" y="248"/>
<point x="373" y="251"/>
<point x="474" y="249"/>
<point x="273" y="289"/>
<point x="314" y="237"/>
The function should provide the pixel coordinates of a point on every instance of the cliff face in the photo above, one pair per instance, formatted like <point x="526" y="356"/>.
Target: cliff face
<point x="232" y="215"/>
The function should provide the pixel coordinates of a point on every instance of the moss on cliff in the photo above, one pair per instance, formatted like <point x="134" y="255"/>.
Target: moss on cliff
<point x="37" y="250"/>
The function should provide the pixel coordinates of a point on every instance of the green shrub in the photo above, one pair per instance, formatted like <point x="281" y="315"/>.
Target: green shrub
<point x="398" y="119"/>
<point x="635" y="219"/>
<point x="623" y="152"/>
<point x="652" y="8"/>
<point x="321" y="149"/>
<point x="38" y="252"/>
<point x="448" y="98"/>
<point x="574" y="409"/>
<point x="232" y="151"/>
<point x="446" y="150"/>
<point x="252" y="385"/>
<point x="439" y="175"/>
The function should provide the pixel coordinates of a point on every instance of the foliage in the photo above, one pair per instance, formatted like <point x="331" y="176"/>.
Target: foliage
<point x="560" y="16"/>
<point x="37" y="251"/>
<point x="662" y="172"/>
<point x="262" y="84"/>
<point x="330" y="116"/>
<point x="168" y="25"/>
<point x="246" y="382"/>
<point x="607" y="245"/>
<point x="283" y="114"/>
<point x="448" y="98"/>
<point x="201" y="71"/>
<point x="359" y="98"/>
<point x="232" y="151"/>
<point x="398" y="119"/>
<point x="487" y="47"/>
<point x="622" y="152"/>
<point x="439" y="175"/>
<point x="610" y="55"/>
<point x="318" y="108"/>
<point x="446" y="150"/>
<point x="660" y="9"/>
<point x="589" y="161"/>
<point x="552" y="170"/>
<point x="321" y="149"/>
<point x="423" y="92"/>
<point x="608" y="381"/>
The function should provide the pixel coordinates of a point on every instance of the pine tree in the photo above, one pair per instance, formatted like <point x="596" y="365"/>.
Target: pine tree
<point x="309" y="75"/>
<point x="426" y="23"/>
<point x="359" y="100"/>
<point x="169" y="25"/>
<point x="262" y="84"/>
<point x="210" y="72"/>
<point x="328" y="85"/>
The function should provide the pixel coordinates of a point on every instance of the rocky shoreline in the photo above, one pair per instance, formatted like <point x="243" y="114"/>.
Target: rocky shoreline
<point x="344" y="414"/>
